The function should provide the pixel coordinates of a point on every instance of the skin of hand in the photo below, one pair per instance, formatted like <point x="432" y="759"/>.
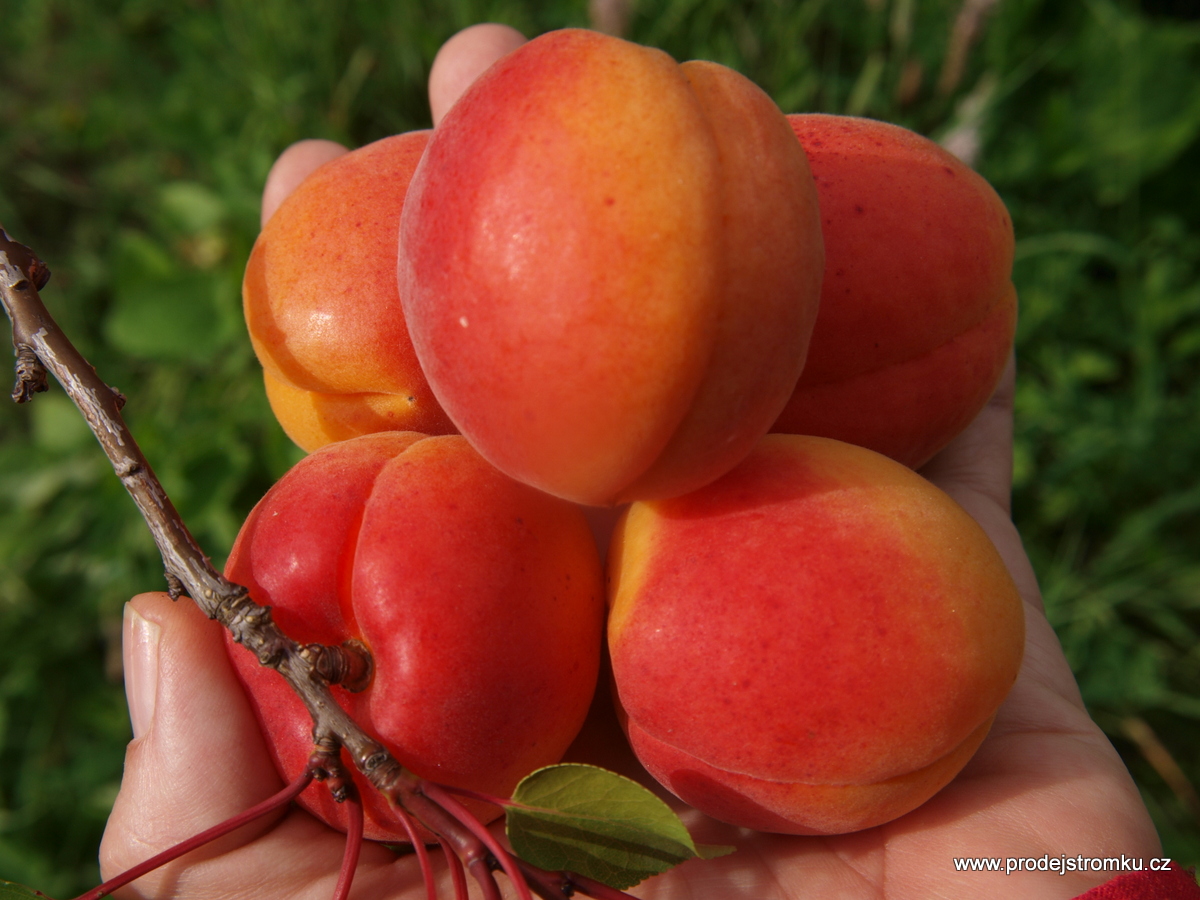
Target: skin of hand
<point x="1045" y="782"/>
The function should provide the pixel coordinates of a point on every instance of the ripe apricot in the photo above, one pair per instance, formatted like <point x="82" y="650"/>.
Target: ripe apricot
<point x="918" y="308"/>
<point x="814" y="643"/>
<point x="479" y="599"/>
<point x="609" y="265"/>
<point x="322" y="307"/>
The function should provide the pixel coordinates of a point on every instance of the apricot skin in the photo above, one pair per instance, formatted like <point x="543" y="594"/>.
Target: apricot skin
<point x="479" y="599"/>
<point x="609" y="265"/>
<point x="918" y="309"/>
<point x="815" y="643"/>
<point x="322" y="307"/>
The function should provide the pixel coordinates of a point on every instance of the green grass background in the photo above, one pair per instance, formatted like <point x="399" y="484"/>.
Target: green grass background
<point x="135" y="136"/>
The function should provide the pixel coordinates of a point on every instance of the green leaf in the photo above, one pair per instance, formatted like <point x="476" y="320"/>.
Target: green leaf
<point x="57" y="424"/>
<point x="587" y="820"/>
<point x="192" y="206"/>
<point x="166" y="319"/>
<point x="11" y="891"/>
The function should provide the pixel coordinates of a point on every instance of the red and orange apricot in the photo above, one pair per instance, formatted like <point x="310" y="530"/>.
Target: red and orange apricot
<point x="815" y="643"/>
<point x="479" y="600"/>
<point x="609" y="265"/>
<point x="322" y="308"/>
<point x="918" y="308"/>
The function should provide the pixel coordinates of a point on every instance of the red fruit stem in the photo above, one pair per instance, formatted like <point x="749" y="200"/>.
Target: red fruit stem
<point x="457" y="875"/>
<point x="285" y="796"/>
<point x="460" y="812"/>
<point x="422" y="854"/>
<point x="354" y="843"/>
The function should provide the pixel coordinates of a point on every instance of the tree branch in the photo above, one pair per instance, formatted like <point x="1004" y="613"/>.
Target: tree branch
<point x="40" y="345"/>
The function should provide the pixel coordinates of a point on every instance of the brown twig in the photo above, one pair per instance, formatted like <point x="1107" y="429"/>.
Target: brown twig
<point x="34" y="331"/>
<point x="41" y="346"/>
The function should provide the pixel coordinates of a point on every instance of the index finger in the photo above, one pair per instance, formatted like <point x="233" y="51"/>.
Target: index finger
<point x="464" y="58"/>
<point x="293" y="166"/>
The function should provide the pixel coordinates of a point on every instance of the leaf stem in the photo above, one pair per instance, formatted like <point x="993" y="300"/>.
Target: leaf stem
<point x="502" y="802"/>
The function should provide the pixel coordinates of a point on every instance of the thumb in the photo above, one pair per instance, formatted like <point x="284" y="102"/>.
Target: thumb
<point x="464" y="58"/>
<point x="197" y="756"/>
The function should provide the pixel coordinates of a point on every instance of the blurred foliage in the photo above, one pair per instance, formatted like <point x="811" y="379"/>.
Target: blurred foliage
<point x="137" y="137"/>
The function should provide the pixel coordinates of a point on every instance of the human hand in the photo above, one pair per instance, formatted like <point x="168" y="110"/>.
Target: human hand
<point x="1045" y="782"/>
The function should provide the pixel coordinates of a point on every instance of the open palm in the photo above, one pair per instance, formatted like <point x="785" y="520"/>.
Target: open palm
<point x="1046" y="782"/>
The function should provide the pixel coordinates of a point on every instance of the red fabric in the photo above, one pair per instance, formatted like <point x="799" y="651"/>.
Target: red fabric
<point x="1175" y="883"/>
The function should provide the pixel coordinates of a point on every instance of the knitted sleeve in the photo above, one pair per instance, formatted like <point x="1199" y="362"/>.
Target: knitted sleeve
<point x="1174" y="883"/>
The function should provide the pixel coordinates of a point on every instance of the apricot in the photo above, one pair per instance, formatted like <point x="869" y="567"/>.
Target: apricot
<point x="322" y="307"/>
<point x="918" y="308"/>
<point x="609" y="266"/>
<point x="479" y="599"/>
<point x="815" y="643"/>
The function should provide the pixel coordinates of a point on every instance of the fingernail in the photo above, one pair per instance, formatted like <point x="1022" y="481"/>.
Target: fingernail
<point x="140" y="652"/>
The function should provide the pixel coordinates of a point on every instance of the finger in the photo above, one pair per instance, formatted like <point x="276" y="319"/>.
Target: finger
<point x="976" y="470"/>
<point x="463" y="58"/>
<point x="198" y="756"/>
<point x="979" y="460"/>
<point x="292" y="167"/>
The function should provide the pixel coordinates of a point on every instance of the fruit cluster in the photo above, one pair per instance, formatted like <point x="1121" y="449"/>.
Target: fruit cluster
<point x="615" y="275"/>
